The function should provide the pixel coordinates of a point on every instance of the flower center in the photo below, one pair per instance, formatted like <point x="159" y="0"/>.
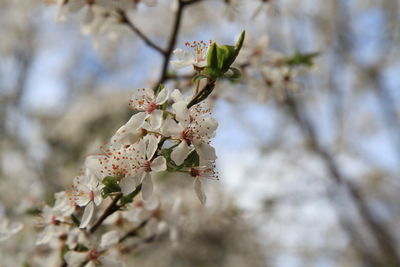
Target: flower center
<point x="54" y="220"/>
<point x="147" y="166"/>
<point x="93" y="255"/>
<point x="151" y="107"/>
<point x="187" y="135"/>
<point x="91" y="195"/>
<point x="195" y="172"/>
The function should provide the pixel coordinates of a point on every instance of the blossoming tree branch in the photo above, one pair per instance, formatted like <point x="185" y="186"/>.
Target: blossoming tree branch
<point x="170" y="131"/>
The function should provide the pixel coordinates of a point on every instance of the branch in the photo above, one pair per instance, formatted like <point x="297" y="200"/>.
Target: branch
<point x="113" y="207"/>
<point x="382" y="236"/>
<point x="135" y="29"/>
<point x="171" y="43"/>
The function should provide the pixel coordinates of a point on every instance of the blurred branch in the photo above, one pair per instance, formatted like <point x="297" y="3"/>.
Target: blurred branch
<point x="381" y="235"/>
<point x="135" y="29"/>
<point x="172" y="39"/>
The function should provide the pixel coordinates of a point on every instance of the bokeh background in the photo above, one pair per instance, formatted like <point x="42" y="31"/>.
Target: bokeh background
<point x="308" y="176"/>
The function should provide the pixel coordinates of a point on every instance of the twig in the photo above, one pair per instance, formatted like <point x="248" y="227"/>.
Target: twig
<point x="171" y="42"/>
<point x="135" y="29"/>
<point x="381" y="234"/>
<point x="113" y="207"/>
<point x="133" y="232"/>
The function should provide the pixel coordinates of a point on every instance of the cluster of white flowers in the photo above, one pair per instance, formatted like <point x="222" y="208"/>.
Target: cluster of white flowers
<point x="268" y="69"/>
<point x="164" y="134"/>
<point x="99" y="16"/>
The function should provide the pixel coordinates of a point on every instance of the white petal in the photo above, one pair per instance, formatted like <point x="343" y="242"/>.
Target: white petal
<point x="135" y="122"/>
<point x="74" y="258"/>
<point x="97" y="197"/>
<point x="198" y="188"/>
<point x="162" y="96"/>
<point x="109" y="239"/>
<point x="45" y="236"/>
<point x="151" y="146"/>
<point x="207" y="126"/>
<point x="159" y="164"/>
<point x="205" y="151"/>
<point x="149" y="94"/>
<point x="82" y="199"/>
<point x="176" y="95"/>
<point x="147" y="187"/>
<point x="185" y="59"/>
<point x="180" y="153"/>
<point x="182" y="112"/>
<point x="156" y="118"/>
<point x="87" y="215"/>
<point x="128" y="185"/>
<point x="171" y="128"/>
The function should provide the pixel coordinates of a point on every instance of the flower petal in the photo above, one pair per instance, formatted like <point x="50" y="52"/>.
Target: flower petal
<point x="159" y="164"/>
<point x="87" y="215"/>
<point x="180" y="153"/>
<point x="182" y="112"/>
<point x="171" y="128"/>
<point x="206" y="127"/>
<point x="149" y="94"/>
<point x="74" y="258"/>
<point x="128" y="185"/>
<point x="162" y="96"/>
<point x="109" y="239"/>
<point x="45" y="236"/>
<point x="147" y="187"/>
<point x="156" y="118"/>
<point x="135" y="122"/>
<point x="205" y="150"/>
<point x="176" y="95"/>
<point x="198" y="188"/>
<point x="151" y="145"/>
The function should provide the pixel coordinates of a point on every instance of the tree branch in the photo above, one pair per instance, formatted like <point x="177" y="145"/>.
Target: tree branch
<point x="113" y="207"/>
<point x="136" y="30"/>
<point x="381" y="235"/>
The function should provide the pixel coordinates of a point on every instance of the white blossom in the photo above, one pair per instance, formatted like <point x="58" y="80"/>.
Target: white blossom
<point x="144" y="100"/>
<point x="146" y="164"/>
<point x="194" y="126"/>
<point x="197" y="58"/>
<point x="87" y="194"/>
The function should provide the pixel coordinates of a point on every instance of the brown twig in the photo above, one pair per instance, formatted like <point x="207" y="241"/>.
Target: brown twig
<point x="136" y="30"/>
<point x="113" y="207"/>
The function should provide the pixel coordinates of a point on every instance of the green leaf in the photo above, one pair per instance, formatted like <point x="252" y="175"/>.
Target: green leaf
<point x="76" y="221"/>
<point x="81" y="248"/>
<point x="234" y="74"/>
<point x="239" y="42"/>
<point x="192" y="160"/>
<point x="160" y="87"/>
<point x="220" y="59"/>
<point x="129" y="197"/>
<point x="33" y="212"/>
<point x="64" y="251"/>
<point x="199" y="77"/>
<point x="212" y="59"/>
<point x="111" y="186"/>
<point x="166" y="153"/>
<point x="299" y="59"/>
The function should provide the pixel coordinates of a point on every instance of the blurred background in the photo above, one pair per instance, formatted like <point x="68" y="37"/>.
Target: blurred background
<point x="308" y="156"/>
